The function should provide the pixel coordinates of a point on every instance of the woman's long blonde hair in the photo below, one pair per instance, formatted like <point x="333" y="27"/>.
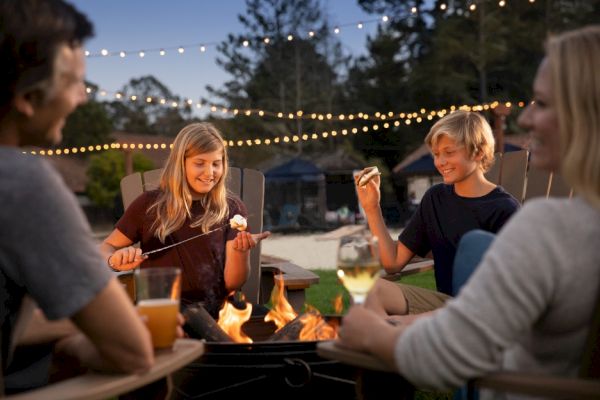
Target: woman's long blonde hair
<point x="174" y="202"/>
<point x="574" y="61"/>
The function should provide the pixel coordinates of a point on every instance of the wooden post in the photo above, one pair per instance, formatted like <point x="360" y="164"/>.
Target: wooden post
<point x="128" y="161"/>
<point x="500" y="114"/>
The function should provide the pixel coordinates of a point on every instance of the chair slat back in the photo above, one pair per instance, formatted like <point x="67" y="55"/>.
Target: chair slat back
<point x="251" y="191"/>
<point x="247" y="184"/>
<point x="514" y="172"/>
<point x="493" y="174"/>
<point x="538" y="183"/>
<point x="558" y="187"/>
<point x="131" y="187"/>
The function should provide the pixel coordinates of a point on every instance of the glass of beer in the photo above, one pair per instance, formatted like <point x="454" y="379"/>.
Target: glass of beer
<point x="158" y="291"/>
<point x="358" y="264"/>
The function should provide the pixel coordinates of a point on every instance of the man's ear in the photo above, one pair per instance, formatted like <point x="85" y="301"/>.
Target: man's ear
<point x="25" y="103"/>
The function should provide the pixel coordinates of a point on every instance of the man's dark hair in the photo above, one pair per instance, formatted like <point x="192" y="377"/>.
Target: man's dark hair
<point x="31" y="32"/>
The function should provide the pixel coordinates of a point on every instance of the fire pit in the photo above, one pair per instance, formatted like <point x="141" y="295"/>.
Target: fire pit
<point x="264" y="369"/>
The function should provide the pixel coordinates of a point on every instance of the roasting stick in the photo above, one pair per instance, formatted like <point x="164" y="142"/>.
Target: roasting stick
<point x="237" y="222"/>
<point x="183" y="241"/>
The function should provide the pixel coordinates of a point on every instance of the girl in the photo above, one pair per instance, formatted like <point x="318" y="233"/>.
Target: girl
<point x="192" y="198"/>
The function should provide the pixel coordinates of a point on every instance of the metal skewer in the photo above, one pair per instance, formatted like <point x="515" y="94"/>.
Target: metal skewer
<point x="183" y="241"/>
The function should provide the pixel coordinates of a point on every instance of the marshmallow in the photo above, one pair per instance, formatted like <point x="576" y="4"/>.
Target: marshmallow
<point x="238" y="222"/>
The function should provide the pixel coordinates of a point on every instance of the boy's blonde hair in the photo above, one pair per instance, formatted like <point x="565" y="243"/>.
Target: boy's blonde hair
<point x="469" y="129"/>
<point x="574" y="62"/>
<point x="174" y="202"/>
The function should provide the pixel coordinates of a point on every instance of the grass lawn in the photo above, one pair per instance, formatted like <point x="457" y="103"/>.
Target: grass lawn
<point x="321" y="296"/>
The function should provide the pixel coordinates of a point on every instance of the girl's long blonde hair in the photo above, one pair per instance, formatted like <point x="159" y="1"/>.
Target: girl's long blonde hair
<point x="174" y="202"/>
<point x="574" y="61"/>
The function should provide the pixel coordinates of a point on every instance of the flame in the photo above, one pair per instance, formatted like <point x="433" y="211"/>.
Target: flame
<point x="282" y="312"/>
<point x="315" y="327"/>
<point x="231" y="320"/>
<point x="338" y="304"/>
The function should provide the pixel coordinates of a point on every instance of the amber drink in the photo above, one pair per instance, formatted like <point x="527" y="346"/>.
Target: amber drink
<point x="158" y="292"/>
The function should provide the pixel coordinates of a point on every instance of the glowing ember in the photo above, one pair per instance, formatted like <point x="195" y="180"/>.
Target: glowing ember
<point x="231" y="320"/>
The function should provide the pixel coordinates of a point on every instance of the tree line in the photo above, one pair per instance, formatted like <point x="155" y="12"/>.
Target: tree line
<point x="445" y="53"/>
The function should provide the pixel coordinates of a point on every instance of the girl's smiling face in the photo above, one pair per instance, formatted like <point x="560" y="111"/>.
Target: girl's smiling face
<point x="203" y="171"/>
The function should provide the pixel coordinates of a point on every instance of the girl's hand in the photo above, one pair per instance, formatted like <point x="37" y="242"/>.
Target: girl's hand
<point x="126" y="259"/>
<point x="245" y="241"/>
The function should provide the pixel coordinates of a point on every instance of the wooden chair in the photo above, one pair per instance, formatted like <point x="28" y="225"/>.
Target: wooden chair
<point x="249" y="185"/>
<point x="98" y="386"/>
<point x="585" y="386"/>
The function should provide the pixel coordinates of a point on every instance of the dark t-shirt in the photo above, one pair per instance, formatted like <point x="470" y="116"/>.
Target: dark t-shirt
<point x="202" y="260"/>
<point x="443" y="217"/>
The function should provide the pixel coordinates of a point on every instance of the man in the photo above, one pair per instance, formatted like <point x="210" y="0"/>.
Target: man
<point x="47" y="255"/>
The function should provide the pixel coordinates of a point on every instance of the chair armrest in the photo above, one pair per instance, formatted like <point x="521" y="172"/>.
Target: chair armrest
<point x="291" y="275"/>
<point x="541" y="385"/>
<point x="410" y="269"/>
<point x="98" y="386"/>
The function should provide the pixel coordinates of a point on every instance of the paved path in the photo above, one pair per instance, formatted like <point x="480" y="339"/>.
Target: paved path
<point x="311" y="251"/>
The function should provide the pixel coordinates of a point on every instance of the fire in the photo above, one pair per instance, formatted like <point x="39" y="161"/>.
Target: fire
<point x="315" y="327"/>
<point x="282" y="312"/>
<point x="231" y="320"/>
<point x="338" y="304"/>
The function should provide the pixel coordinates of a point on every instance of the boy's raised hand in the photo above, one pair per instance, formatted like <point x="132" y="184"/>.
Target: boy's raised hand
<point x="369" y="194"/>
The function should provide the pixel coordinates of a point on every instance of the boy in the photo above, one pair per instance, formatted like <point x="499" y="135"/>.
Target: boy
<point x="462" y="145"/>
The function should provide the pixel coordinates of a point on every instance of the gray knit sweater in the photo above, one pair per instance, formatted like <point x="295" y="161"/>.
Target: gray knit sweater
<point x="527" y="307"/>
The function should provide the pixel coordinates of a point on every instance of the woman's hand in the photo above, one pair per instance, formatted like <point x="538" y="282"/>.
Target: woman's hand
<point x="363" y="330"/>
<point x="126" y="259"/>
<point x="245" y="241"/>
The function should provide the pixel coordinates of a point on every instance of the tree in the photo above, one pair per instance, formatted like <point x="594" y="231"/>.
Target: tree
<point x="156" y="116"/>
<point x="281" y="75"/>
<point x="105" y="172"/>
<point x="89" y="124"/>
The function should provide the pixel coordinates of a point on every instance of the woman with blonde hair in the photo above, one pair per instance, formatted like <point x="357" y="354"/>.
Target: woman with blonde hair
<point x="192" y="198"/>
<point x="529" y="305"/>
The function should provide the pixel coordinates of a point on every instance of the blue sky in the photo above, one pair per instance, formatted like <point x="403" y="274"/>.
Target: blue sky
<point x="144" y="24"/>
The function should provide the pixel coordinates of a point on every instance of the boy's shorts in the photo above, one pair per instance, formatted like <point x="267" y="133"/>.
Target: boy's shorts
<point x="420" y="300"/>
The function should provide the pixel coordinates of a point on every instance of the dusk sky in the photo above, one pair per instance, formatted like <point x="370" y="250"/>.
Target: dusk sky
<point x="134" y="25"/>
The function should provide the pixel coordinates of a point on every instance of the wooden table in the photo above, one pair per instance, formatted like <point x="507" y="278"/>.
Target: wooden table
<point x="98" y="386"/>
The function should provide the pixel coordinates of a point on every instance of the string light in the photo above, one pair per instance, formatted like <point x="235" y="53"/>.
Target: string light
<point x="409" y="119"/>
<point x="299" y="114"/>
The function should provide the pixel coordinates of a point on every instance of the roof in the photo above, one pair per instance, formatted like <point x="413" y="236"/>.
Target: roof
<point x="295" y="169"/>
<point x="73" y="171"/>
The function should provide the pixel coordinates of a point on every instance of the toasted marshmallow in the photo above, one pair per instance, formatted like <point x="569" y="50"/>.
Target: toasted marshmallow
<point x="238" y="222"/>
<point x="367" y="174"/>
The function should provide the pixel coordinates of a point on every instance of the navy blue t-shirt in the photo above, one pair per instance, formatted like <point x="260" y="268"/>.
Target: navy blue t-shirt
<point x="443" y="217"/>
